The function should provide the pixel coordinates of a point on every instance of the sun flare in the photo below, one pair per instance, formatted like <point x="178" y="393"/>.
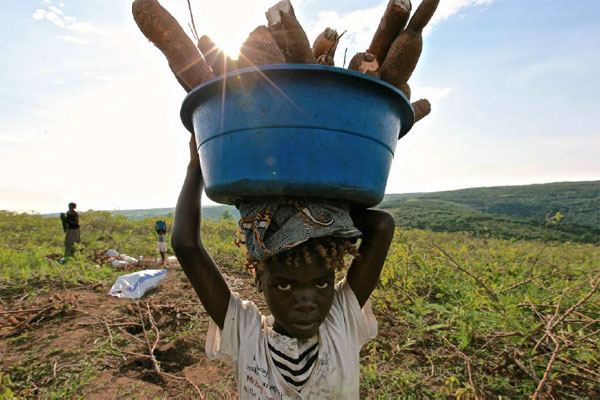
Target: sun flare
<point x="228" y="24"/>
<point x="230" y="46"/>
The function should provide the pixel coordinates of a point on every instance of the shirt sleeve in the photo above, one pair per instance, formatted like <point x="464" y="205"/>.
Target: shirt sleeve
<point x="242" y="321"/>
<point x="346" y="316"/>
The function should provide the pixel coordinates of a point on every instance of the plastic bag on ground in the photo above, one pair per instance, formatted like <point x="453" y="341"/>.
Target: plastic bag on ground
<point x="118" y="263"/>
<point x="171" y="259"/>
<point x="135" y="285"/>
<point x="127" y="258"/>
<point x="111" y="253"/>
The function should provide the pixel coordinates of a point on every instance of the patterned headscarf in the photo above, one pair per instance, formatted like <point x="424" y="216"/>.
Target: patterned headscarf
<point x="271" y="227"/>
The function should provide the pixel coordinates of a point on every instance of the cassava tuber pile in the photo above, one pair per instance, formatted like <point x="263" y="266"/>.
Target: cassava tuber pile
<point x="392" y="55"/>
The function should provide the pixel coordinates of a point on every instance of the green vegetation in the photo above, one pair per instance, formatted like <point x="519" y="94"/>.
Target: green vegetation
<point x="579" y="202"/>
<point x="459" y="315"/>
<point x="31" y="244"/>
<point x="505" y="212"/>
<point x="451" y="302"/>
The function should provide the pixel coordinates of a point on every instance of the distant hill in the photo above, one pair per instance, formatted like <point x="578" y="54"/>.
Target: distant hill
<point x="208" y="212"/>
<point x="579" y="202"/>
<point x="505" y="211"/>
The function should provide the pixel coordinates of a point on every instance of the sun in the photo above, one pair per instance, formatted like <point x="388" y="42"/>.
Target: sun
<point x="229" y="23"/>
<point x="230" y="46"/>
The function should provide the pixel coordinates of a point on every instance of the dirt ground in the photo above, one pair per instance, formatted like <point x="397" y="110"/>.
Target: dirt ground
<point x="82" y="342"/>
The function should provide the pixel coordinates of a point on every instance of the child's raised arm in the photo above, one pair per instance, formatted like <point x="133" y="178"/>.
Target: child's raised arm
<point x="378" y="230"/>
<point x="197" y="264"/>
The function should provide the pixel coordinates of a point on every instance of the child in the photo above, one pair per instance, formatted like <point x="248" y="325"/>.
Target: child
<point x="309" y="347"/>
<point x="161" y="245"/>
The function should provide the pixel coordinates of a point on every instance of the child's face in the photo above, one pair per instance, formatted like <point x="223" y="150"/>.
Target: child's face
<point x="299" y="297"/>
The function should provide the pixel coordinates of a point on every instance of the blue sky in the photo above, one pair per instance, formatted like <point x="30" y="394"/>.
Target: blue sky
<point x="89" y="111"/>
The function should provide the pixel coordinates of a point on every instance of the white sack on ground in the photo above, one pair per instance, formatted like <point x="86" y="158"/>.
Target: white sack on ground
<point x="135" y="285"/>
<point x="118" y="263"/>
<point x="111" y="253"/>
<point x="127" y="258"/>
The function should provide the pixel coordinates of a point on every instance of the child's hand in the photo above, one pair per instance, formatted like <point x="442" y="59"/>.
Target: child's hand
<point x="194" y="157"/>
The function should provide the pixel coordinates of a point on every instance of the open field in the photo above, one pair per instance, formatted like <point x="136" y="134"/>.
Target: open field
<point x="459" y="317"/>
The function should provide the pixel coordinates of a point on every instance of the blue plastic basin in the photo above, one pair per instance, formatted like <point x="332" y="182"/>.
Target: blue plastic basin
<point x="296" y="130"/>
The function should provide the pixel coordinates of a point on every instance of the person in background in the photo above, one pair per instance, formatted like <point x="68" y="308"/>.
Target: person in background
<point x="161" y="246"/>
<point x="70" y="222"/>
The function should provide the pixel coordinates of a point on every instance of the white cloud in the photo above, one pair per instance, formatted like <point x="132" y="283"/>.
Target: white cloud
<point x="73" y="39"/>
<point x="58" y="18"/>
<point x="39" y="14"/>
<point x="56" y="10"/>
<point x="55" y="19"/>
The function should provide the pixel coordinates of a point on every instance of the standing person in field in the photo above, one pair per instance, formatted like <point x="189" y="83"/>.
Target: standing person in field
<point x="161" y="245"/>
<point x="309" y="347"/>
<point x="70" y="222"/>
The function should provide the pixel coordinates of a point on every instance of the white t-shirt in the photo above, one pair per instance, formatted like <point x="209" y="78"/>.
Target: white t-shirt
<point x="336" y="374"/>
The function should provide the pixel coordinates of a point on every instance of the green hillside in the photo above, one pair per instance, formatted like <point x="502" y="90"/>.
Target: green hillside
<point x="443" y="216"/>
<point x="579" y="202"/>
<point x="518" y="212"/>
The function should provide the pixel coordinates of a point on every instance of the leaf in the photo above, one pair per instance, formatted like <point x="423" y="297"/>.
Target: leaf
<point x="464" y="342"/>
<point x="436" y="327"/>
<point x="439" y="308"/>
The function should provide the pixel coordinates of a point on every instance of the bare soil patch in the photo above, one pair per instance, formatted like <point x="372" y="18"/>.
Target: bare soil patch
<point x="96" y="345"/>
